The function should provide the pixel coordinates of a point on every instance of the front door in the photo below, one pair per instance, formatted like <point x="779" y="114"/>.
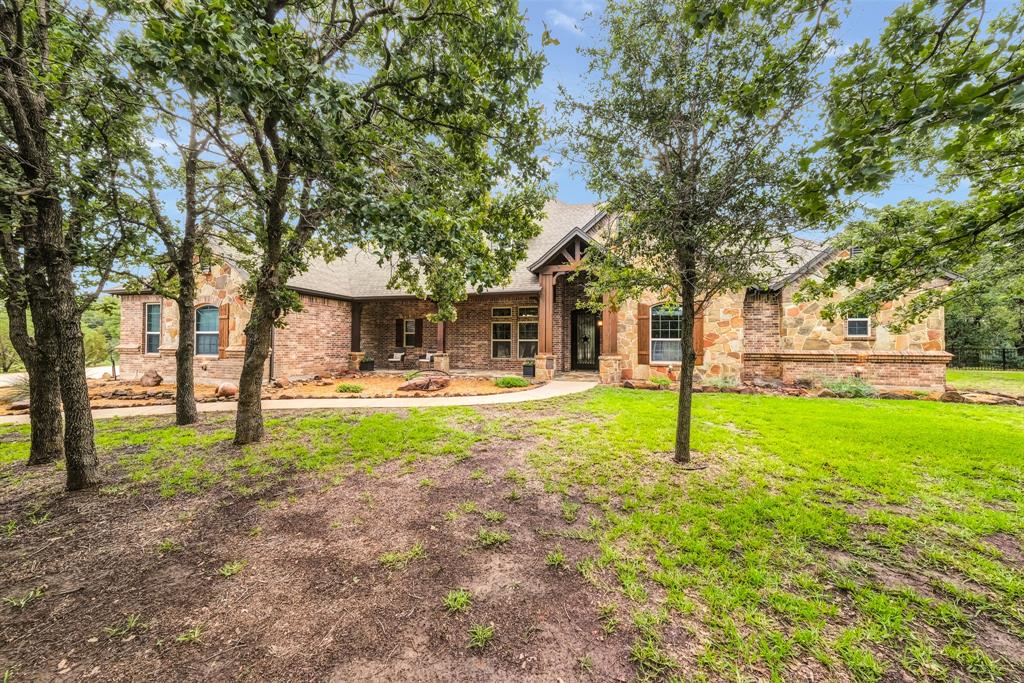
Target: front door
<point x="586" y="342"/>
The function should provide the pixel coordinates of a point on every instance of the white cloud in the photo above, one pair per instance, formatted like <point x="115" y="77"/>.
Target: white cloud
<point x="560" y="18"/>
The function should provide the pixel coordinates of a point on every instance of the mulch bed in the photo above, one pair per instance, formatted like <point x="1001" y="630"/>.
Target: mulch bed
<point x="312" y="602"/>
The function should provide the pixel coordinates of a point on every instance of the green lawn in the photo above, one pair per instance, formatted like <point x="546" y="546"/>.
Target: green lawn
<point x="857" y="539"/>
<point x="1004" y="382"/>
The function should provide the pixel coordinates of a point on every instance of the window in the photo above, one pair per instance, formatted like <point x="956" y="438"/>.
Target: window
<point x="856" y="251"/>
<point x="501" y="340"/>
<point x="152" y="328"/>
<point x="503" y="312"/>
<point x="527" y="311"/>
<point x="409" y="330"/>
<point x="858" y="327"/>
<point x="527" y="339"/>
<point x="666" y="334"/>
<point x="207" y="331"/>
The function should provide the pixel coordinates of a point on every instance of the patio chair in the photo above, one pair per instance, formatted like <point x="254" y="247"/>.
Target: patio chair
<point x="397" y="357"/>
<point x="427" y="361"/>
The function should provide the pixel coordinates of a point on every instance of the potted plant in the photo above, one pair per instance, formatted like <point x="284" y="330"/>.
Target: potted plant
<point x="529" y="368"/>
<point x="366" y="364"/>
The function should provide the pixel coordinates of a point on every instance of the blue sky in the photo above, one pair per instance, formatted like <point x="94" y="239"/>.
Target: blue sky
<point x="568" y="21"/>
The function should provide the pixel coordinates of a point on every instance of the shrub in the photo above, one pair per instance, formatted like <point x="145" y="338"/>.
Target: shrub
<point x="349" y="388"/>
<point x="850" y="387"/>
<point x="511" y="382"/>
<point x="724" y="382"/>
<point x="660" y="380"/>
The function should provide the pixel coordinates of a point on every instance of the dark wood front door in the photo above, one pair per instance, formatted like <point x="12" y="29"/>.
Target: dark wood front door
<point x="586" y="342"/>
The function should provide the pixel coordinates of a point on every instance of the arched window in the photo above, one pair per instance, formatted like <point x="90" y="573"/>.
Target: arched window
<point x="207" y="330"/>
<point x="666" y="334"/>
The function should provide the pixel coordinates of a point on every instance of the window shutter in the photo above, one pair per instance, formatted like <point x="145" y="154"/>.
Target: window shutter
<point x="419" y="332"/>
<point x="399" y="333"/>
<point x="698" y="337"/>
<point x="223" y="328"/>
<point x="643" y="335"/>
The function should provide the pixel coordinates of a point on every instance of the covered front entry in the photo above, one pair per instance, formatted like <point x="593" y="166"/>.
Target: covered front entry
<point x="586" y="341"/>
<point x="586" y="336"/>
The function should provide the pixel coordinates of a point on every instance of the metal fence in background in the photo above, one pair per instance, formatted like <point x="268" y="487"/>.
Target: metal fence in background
<point x="987" y="359"/>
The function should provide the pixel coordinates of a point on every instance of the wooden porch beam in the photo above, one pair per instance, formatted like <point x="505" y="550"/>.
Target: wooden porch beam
<point x="546" y="312"/>
<point x="609" y="329"/>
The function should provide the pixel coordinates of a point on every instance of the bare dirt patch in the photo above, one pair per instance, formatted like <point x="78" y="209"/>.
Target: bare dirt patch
<point x="312" y="601"/>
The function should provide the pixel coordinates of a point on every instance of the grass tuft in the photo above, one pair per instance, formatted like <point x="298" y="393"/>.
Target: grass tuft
<point x="556" y="559"/>
<point x="229" y="569"/>
<point x="400" y="559"/>
<point x="458" y="600"/>
<point x="487" y="538"/>
<point x="480" y="635"/>
<point x="348" y="388"/>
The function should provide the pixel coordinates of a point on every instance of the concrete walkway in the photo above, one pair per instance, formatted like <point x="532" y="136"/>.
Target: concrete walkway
<point x="549" y="390"/>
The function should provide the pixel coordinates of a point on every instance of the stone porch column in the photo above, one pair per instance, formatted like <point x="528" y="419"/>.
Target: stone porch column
<point x="442" y="362"/>
<point x="609" y="368"/>
<point x="545" y="364"/>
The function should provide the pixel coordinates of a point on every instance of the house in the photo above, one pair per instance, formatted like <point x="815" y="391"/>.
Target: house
<point x="349" y="314"/>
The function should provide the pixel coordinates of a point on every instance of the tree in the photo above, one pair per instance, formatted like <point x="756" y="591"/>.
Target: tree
<point x="401" y="127"/>
<point x="9" y="360"/>
<point x="685" y="137"/>
<point x="68" y="122"/>
<point x="940" y="93"/>
<point x="101" y="324"/>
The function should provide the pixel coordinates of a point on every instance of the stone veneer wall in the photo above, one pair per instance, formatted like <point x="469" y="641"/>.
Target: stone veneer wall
<point x="218" y="286"/>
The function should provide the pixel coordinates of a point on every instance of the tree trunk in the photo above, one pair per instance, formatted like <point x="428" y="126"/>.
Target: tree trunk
<point x="44" y="413"/>
<point x="687" y="301"/>
<point x="185" y="410"/>
<point x="43" y="386"/>
<point x="249" y="418"/>
<point x="79" y="446"/>
<point x="684" y="419"/>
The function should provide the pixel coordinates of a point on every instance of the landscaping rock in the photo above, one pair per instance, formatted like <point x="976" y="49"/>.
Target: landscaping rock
<point x="151" y="378"/>
<point x="767" y="383"/>
<point x="804" y="383"/>
<point x="641" y="384"/>
<point x="989" y="399"/>
<point x="281" y="383"/>
<point x="19" y="405"/>
<point x="952" y="397"/>
<point x="226" y="390"/>
<point x="826" y="393"/>
<point x="106" y="375"/>
<point x="430" y="383"/>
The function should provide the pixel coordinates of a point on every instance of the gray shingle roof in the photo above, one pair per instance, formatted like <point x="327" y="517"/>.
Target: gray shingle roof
<point x="358" y="276"/>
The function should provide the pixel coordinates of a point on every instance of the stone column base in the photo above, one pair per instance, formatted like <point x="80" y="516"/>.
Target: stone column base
<point x="355" y="358"/>
<point x="546" y="363"/>
<point x="610" y="369"/>
<point x="442" y="362"/>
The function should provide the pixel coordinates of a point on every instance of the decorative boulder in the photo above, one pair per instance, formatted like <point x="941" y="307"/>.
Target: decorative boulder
<point x="430" y="383"/>
<point x="151" y="378"/>
<point x="226" y="390"/>
<point x="106" y="375"/>
<point x="281" y="383"/>
<point x="952" y="397"/>
<point x="19" y="405"/>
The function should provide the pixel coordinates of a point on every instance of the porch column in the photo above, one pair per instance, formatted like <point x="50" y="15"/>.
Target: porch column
<point x="609" y="365"/>
<point x="441" y="360"/>
<point x="545" y="347"/>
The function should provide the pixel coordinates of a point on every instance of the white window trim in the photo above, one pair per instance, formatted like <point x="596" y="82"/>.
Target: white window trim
<point x="146" y="332"/>
<point x="858" y="336"/>
<point x="216" y="333"/>
<point x="406" y="332"/>
<point x="511" y="340"/>
<point x="520" y="338"/>
<point x="529" y="316"/>
<point x="511" y="312"/>
<point x="651" y="340"/>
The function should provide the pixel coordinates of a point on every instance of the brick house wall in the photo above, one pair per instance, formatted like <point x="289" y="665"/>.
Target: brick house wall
<point x="762" y="312"/>
<point x="315" y="340"/>
<point x="469" y="337"/>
